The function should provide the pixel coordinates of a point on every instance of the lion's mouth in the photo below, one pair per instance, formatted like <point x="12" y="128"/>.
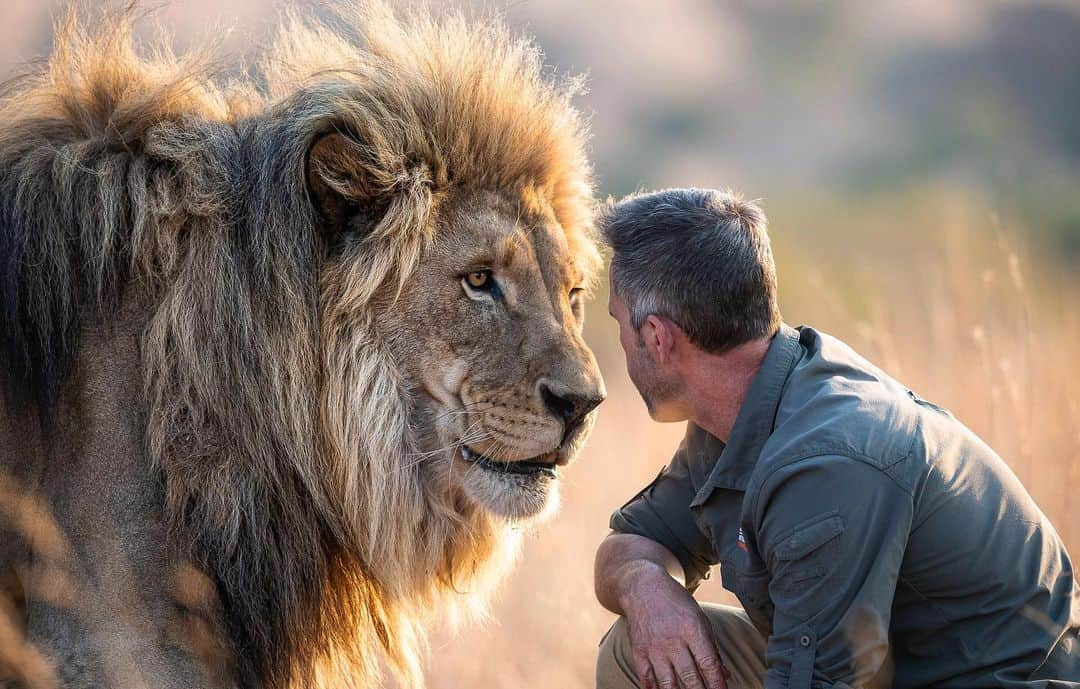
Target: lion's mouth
<point x="541" y="465"/>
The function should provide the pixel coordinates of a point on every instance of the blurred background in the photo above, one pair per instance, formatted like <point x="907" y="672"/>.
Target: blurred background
<point x="920" y="165"/>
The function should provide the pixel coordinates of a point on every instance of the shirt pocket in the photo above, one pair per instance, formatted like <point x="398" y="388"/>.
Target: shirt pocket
<point x="809" y="536"/>
<point x="806" y="556"/>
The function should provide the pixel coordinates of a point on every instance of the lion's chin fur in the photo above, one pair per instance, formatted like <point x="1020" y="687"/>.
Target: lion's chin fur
<point x="519" y="500"/>
<point x="275" y="417"/>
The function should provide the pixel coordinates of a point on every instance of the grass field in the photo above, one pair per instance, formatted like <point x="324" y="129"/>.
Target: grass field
<point x="932" y="289"/>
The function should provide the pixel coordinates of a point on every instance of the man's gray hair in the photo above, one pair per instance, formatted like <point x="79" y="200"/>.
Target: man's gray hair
<point x="699" y="257"/>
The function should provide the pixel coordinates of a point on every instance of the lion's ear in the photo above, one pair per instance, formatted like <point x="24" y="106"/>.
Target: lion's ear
<point x="342" y="186"/>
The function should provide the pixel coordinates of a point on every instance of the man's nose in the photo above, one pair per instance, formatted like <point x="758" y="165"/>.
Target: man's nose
<point x="569" y="407"/>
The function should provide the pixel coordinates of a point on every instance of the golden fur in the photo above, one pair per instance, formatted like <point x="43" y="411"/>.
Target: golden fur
<point x="275" y="411"/>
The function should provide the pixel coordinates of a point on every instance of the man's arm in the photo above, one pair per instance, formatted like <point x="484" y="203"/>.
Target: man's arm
<point x="671" y="638"/>
<point x="832" y="531"/>
<point x="645" y="570"/>
<point x="625" y="562"/>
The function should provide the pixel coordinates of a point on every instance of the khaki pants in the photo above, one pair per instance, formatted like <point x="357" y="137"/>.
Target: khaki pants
<point x="742" y="648"/>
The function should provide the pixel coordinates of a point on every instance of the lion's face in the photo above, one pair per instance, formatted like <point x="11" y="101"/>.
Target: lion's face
<point x="488" y="332"/>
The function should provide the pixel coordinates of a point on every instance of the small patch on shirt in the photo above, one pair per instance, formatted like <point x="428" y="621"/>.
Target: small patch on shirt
<point x="742" y="539"/>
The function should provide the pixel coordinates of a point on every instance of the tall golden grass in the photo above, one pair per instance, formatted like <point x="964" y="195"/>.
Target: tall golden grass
<point x="931" y="288"/>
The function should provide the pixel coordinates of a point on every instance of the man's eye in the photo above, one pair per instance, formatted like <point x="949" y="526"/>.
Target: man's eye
<point x="479" y="280"/>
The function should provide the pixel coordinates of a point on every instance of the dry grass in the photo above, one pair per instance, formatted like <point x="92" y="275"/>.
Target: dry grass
<point x="957" y="311"/>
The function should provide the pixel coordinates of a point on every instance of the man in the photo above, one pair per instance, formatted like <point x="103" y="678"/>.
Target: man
<point x="871" y="538"/>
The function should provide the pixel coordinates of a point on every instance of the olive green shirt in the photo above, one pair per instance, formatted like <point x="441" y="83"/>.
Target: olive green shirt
<point x="870" y="536"/>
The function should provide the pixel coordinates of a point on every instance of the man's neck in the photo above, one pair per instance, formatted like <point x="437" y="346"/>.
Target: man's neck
<point x="719" y="384"/>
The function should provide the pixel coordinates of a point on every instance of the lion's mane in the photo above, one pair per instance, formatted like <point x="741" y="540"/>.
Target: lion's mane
<point x="277" y="422"/>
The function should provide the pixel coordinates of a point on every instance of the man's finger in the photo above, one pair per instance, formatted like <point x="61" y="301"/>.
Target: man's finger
<point x="645" y="673"/>
<point x="686" y="670"/>
<point x="662" y="671"/>
<point x="710" y="665"/>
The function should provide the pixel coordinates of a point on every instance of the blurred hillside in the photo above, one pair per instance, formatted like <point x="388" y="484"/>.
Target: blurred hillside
<point x="843" y="98"/>
<point x="919" y="163"/>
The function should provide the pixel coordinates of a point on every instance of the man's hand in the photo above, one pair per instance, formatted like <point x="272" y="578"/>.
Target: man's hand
<point x="670" y="636"/>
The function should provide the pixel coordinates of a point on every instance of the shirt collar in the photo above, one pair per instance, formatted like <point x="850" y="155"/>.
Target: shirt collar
<point x="753" y="424"/>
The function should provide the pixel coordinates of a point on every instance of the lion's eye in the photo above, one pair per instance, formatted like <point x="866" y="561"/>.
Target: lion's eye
<point x="480" y="284"/>
<point x="479" y="279"/>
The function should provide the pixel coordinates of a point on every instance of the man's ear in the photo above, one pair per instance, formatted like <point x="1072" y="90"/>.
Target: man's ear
<point x="342" y="185"/>
<point x="659" y="338"/>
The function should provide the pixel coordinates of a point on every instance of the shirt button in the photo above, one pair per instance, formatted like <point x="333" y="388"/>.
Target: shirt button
<point x="804" y="640"/>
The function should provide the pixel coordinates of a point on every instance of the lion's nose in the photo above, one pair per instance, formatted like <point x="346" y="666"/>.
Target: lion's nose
<point x="570" y="408"/>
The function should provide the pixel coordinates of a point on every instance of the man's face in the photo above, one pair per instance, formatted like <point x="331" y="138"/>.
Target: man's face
<point x="658" y="389"/>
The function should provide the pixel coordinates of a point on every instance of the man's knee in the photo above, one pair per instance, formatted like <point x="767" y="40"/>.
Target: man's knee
<point x="616" y="639"/>
<point x="741" y="647"/>
<point x="615" y="661"/>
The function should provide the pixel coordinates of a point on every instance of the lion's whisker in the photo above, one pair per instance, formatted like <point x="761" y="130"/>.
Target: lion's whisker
<point x="466" y="409"/>
<point x="468" y="437"/>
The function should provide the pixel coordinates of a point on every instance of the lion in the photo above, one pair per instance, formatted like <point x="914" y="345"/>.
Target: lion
<point x="291" y="352"/>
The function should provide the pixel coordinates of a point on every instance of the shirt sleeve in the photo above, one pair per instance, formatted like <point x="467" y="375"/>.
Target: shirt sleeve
<point x="832" y="532"/>
<point x="661" y="512"/>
